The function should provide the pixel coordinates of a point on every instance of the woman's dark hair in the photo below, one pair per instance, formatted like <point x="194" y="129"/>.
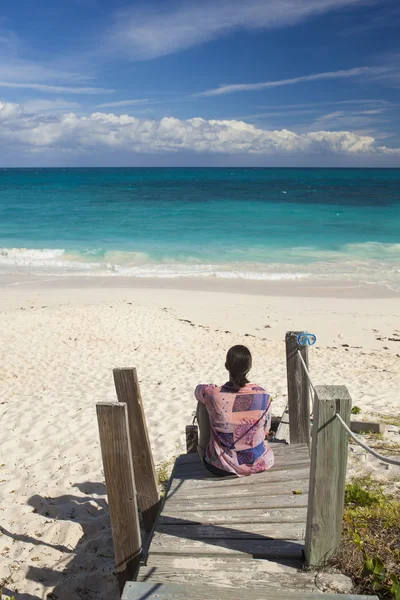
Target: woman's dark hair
<point x="238" y="363"/>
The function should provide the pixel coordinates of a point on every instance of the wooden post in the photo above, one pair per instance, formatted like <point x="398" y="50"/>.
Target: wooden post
<point x="192" y="438"/>
<point x="120" y="482"/>
<point x="327" y="473"/>
<point x="128" y="391"/>
<point x="298" y="391"/>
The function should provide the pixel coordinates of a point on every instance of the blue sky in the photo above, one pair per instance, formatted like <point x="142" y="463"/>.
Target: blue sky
<point x="211" y="82"/>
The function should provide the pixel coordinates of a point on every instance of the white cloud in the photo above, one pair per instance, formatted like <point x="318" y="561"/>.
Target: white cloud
<point x="386" y="150"/>
<point x="130" y="134"/>
<point x="372" y="103"/>
<point x="350" y="118"/>
<point x="124" y="103"/>
<point x="334" y="118"/>
<point x="247" y="87"/>
<point x="54" y="89"/>
<point x="38" y="106"/>
<point x="15" y="69"/>
<point x="52" y="75"/>
<point x="144" y="33"/>
<point x="9" y="111"/>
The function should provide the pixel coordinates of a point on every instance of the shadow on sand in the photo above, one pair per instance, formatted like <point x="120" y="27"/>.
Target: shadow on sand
<point x="86" y="571"/>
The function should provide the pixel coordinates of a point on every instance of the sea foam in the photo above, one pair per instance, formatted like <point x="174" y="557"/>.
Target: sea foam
<point x="352" y="263"/>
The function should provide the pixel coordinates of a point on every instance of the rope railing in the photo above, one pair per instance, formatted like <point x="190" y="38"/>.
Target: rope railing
<point x="381" y="457"/>
<point x="390" y="461"/>
<point x="306" y="370"/>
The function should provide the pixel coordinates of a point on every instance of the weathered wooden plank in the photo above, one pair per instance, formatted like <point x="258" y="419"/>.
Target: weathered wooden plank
<point x="135" y="590"/>
<point x="229" y="564"/>
<point x="278" y="449"/>
<point x="254" y="574"/>
<point x="200" y="472"/>
<point x="296" y="501"/>
<point x="223" y="578"/>
<point x="163" y="543"/>
<point x="268" y="478"/>
<point x="120" y="482"/>
<point x="234" y="572"/>
<point x="358" y="426"/>
<point x="327" y="473"/>
<point x="277" y="531"/>
<point x="128" y="390"/>
<point x="239" y="491"/>
<point x="281" y="462"/>
<point x="298" y="390"/>
<point x="283" y="431"/>
<point x="226" y="517"/>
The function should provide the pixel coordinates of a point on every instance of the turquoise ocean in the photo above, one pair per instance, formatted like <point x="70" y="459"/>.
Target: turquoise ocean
<point x="261" y="224"/>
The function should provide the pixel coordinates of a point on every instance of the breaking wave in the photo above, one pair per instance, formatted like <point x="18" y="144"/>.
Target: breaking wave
<point x="369" y="263"/>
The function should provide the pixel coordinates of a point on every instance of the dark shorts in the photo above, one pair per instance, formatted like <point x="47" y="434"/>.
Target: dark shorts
<point x="216" y="471"/>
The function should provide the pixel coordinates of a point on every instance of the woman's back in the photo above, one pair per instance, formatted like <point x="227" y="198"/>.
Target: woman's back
<point x="239" y="419"/>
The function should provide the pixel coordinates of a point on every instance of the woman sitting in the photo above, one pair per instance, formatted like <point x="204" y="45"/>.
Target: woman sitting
<point x="234" y="420"/>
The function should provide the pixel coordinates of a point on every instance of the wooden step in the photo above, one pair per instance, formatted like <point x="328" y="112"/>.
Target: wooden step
<point x="277" y="531"/>
<point x="249" y="573"/>
<point x="290" y="487"/>
<point x="233" y="516"/>
<point x="163" y="543"/>
<point x="231" y="564"/>
<point x="227" y="572"/>
<point x="278" y="449"/>
<point x="226" y="503"/>
<point x="160" y="591"/>
<point x="270" y="478"/>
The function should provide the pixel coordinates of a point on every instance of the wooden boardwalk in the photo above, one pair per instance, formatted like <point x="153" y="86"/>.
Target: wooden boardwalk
<point x="229" y="537"/>
<point x="210" y="529"/>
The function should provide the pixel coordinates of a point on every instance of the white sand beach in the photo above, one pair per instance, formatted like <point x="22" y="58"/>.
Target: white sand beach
<point x="60" y="340"/>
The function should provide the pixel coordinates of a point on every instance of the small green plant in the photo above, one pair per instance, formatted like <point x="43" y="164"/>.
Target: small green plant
<point x="370" y="552"/>
<point x="376" y="436"/>
<point x="395" y="587"/>
<point x="382" y="581"/>
<point x="375" y="569"/>
<point x="356" y="494"/>
<point x="355" y="410"/>
<point x="163" y="475"/>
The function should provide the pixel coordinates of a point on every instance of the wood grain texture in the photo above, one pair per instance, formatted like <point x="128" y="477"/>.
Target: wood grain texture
<point x="276" y="531"/>
<point x="327" y="473"/>
<point x="128" y="391"/>
<point x="120" y="483"/>
<point x="288" y="500"/>
<point x="163" y="543"/>
<point x="239" y="516"/>
<point x="224" y="578"/>
<point x="297" y="458"/>
<point x="270" y="478"/>
<point x="230" y="564"/>
<point x="298" y="391"/>
<point x="245" y="492"/>
<point x="201" y="474"/>
<point x="233" y="572"/>
<point x="279" y="450"/>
